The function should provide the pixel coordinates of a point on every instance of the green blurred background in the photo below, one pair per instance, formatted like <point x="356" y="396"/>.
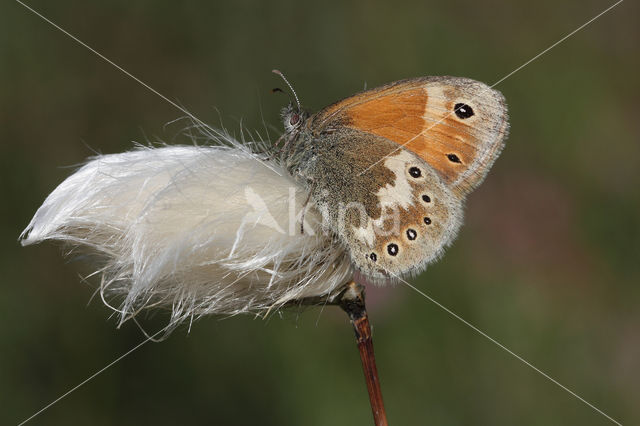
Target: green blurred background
<point x="548" y="262"/>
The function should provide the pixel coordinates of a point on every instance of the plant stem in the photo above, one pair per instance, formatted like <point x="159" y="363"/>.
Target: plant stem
<point x="352" y="302"/>
<point x="350" y="298"/>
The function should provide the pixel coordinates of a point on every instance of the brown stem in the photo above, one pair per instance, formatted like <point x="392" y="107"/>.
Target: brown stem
<point x="352" y="302"/>
<point x="350" y="298"/>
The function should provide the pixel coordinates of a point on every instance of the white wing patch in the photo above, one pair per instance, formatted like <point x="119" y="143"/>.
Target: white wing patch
<point x="400" y="193"/>
<point x="391" y="196"/>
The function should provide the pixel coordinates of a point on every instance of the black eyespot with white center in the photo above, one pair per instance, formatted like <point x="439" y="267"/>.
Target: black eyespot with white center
<point x="463" y="111"/>
<point x="411" y="234"/>
<point x="453" y="158"/>
<point x="373" y="257"/>
<point x="426" y="198"/>
<point x="393" y="249"/>
<point x="415" y="172"/>
<point x="427" y="221"/>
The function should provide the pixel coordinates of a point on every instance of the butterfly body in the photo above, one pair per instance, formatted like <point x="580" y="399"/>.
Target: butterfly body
<point x="389" y="168"/>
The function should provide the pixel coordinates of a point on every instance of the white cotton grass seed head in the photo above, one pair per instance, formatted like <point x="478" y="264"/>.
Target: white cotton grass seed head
<point x="198" y="229"/>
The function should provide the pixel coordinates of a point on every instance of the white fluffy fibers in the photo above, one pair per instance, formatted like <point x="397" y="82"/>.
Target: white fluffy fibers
<point x="197" y="229"/>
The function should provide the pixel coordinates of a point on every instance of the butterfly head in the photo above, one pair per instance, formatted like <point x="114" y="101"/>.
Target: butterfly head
<point x="293" y="115"/>
<point x="293" y="118"/>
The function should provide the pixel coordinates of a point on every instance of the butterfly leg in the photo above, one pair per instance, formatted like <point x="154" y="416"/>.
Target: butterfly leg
<point x="276" y="150"/>
<point x="276" y="143"/>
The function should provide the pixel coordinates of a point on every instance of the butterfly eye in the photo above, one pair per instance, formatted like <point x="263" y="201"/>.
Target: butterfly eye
<point x="295" y="118"/>
<point x="415" y="172"/>
<point x="426" y="198"/>
<point x="393" y="249"/>
<point x="411" y="234"/>
<point x="463" y="111"/>
<point x="373" y="257"/>
<point x="453" y="158"/>
<point x="427" y="221"/>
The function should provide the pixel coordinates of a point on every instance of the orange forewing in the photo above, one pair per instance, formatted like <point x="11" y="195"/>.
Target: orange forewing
<point x="406" y="114"/>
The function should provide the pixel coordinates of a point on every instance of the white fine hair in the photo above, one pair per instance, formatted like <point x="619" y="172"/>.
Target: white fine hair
<point x="198" y="229"/>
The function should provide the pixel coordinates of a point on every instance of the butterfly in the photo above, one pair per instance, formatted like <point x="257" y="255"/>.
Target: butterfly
<point x="390" y="168"/>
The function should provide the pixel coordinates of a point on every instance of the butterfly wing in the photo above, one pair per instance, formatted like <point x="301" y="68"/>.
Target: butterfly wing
<point x="394" y="219"/>
<point x="419" y="217"/>
<point x="457" y="125"/>
<point x="390" y="167"/>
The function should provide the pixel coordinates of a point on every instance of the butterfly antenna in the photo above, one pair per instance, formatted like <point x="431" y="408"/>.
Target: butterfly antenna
<point x="278" y="72"/>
